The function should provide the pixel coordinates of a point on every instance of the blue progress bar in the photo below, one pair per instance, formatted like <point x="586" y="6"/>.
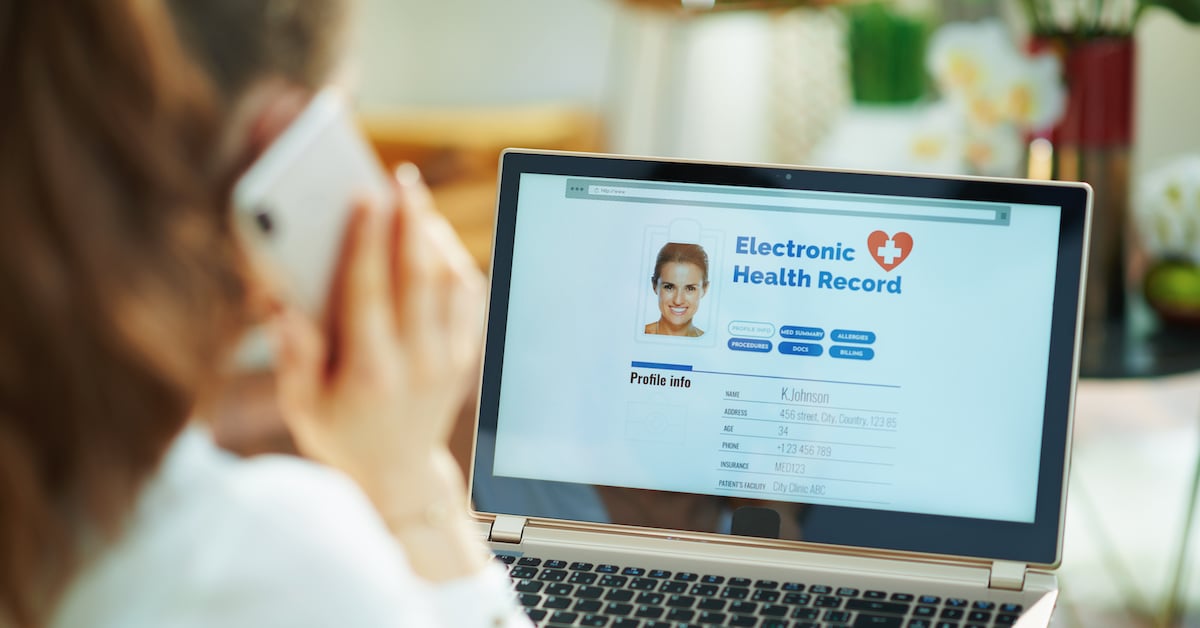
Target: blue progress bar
<point x="659" y="365"/>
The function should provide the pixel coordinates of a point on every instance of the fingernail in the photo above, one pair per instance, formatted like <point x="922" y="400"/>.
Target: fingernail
<point x="407" y="174"/>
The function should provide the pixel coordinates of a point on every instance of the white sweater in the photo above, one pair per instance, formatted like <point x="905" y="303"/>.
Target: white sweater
<point x="271" y="541"/>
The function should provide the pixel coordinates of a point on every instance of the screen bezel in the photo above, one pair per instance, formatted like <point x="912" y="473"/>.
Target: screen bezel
<point x="1036" y="543"/>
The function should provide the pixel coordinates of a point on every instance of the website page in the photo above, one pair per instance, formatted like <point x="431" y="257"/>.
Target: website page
<point x="841" y="349"/>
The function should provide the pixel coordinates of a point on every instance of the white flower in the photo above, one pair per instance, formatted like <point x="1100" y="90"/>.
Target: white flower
<point x="1167" y="211"/>
<point x="965" y="58"/>
<point x="994" y="150"/>
<point x="1034" y="97"/>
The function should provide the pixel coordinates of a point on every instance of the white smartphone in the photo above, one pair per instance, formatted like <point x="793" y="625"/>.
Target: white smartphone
<point x="292" y="205"/>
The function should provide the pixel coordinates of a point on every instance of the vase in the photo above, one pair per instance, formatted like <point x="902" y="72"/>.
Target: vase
<point x="1092" y="143"/>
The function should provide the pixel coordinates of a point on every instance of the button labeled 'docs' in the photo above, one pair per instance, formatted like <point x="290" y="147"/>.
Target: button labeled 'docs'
<point x="801" y="348"/>
<point x="851" y="353"/>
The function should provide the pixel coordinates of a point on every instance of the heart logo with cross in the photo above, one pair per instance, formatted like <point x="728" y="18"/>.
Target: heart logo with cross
<point x="889" y="250"/>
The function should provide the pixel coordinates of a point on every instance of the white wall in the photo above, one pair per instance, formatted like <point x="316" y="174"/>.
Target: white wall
<point x="422" y="53"/>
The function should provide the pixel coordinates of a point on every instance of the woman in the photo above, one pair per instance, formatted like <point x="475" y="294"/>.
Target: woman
<point x="680" y="280"/>
<point x="124" y="291"/>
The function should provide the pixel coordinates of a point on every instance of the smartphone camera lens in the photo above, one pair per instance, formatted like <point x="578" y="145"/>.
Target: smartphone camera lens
<point x="262" y="218"/>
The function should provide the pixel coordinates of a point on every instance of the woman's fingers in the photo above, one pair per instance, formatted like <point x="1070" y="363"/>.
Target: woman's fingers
<point x="299" y="364"/>
<point x="359" y="305"/>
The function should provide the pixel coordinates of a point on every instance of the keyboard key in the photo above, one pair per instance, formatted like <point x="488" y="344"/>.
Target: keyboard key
<point x="773" y="610"/>
<point x="529" y="561"/>
<point x="946" y="624"/>
<point x="563" y="617"/>
<point x="618" y="595"/>
<point x="657" y="624"/>
<point x="877" y="607"/>
<point x="588" y="606"/>
<point x="849" y="592"/>
<point x="952" y="613"/>
<point x="1010" y="608"/>
<point x="523" y="572"/>
<point x="806" y="613"/>
<point x="552" y="575"/>
<point x="555" y="564"/>
<point x="765" y="595"/>
<point x="633" y="571"/>
<point x="930" y="599"/>
<point x="507" y="559"/>
<point x="681" y="601"/>
<point x="793" y="586"/>
<point x="651" y="612"/>
<point x="581" y="567"/>
<point x="743" y="608"/>
<point x="875" y="595"/>
<point x="680" y="614"/>
<point x="919" y="623"/>
<point x="593" y="620"/>
<point x="529" y="599"/>
<point x="739" y="582"/>
<point x="625" y="622"/>
<point x="713" y="579"/>
<point x="673" y="586"/>
<point x="536" y="614"/>
<point x="555" y="601"/>
<point x="704" y="590"/>
<point x="650" y="598"/>
<point x="609" y="580"/>
<point x="643" y="584"/>
<point x="582" y="577"/>
<point x="867" y="620"/>
<point x="983" y="605"/>
<point x="608" y="569"/>
<point x="766" y="584"/>
<point x="618" y="608"/>
<point x="711" y="604"/>
<point x="1006" y="620"/>
<point x="735" y="593"/>
<point x="956" y="602"/>
<point x="711" y="617"/>
<point x="686" y="576"/>
<point x="820" y="589"/>
<point x="558" y="588"/>
<point x="828" y="601"/>
<point x="659" y="573"/>
<point x="589" y="593"/>
<point x="773" y="623"/>
<point x="528" y="586"/>
<point x="925" y="611"/>
<point x="837" y="616"/>
<point x="743" y="620"/>
<point x="902" y="597"/>
<point x="797" y="599"/>
<point x="980" y="616"/>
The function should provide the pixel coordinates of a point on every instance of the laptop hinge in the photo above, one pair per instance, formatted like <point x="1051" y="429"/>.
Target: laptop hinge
<point x="1007" y="575"/>
<point x="507" y="529"/>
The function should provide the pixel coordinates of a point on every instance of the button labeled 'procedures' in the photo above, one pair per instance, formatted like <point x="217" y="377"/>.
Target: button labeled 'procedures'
<point x="749" y="344"/>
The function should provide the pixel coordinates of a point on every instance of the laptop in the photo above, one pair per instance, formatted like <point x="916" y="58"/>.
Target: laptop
<point x="764" y="395"/>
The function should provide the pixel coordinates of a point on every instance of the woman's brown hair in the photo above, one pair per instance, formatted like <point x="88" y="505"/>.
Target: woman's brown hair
<point x="120" y="283"/>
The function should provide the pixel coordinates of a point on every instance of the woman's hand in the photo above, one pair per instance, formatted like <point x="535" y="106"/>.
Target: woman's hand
<point x="375" y="392"/>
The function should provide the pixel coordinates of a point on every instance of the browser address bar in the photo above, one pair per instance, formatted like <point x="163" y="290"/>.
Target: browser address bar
<point x="932" y="211"/>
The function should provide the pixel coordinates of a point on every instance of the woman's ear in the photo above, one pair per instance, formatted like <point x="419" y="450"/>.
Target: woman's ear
<point x="259" y="116"/>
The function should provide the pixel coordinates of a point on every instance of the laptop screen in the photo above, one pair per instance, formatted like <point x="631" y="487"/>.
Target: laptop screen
<point x="838" y="348"/>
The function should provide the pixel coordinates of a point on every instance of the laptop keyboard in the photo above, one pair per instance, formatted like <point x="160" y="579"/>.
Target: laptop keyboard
<point x="561" y="593"/>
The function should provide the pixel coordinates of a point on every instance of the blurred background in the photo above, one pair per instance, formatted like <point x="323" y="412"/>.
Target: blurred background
<point x="1106" y="91"/>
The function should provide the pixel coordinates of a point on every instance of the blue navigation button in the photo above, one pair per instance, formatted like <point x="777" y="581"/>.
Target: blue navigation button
<point x="801" y="348"/>
<point x="850" y="335"/>
<point x="756" y="345"/>
<point x="802" y="333"/>
<point x="851" y="353"/>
